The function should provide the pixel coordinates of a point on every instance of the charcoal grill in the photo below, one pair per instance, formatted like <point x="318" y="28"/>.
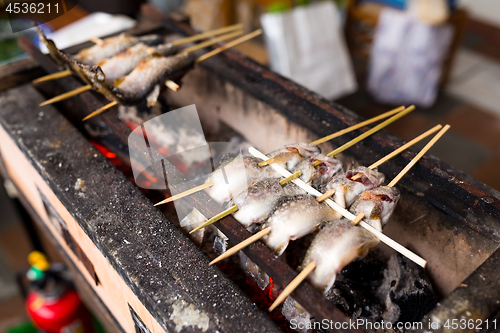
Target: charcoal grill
<point x="143" y="274"/>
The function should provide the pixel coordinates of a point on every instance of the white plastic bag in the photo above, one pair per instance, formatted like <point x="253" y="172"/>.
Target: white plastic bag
<point x="306" y="45"/>
<point x="406" y="59"/>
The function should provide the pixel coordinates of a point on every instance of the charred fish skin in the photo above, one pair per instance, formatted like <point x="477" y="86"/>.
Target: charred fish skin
<point x="293" y="154"/>
<point x="377" y="204"/>
<point x="337" y="244"/>
<point x="294" y="218"/>
<point x="347" y="190"/>
<point x="155" y="70"/>
<point x="111" y="46"/>
<point x="125" y="61"/>
<point x="259" y="200"/>
<point x="235" y="176"/>
<point x="321" y="174"/>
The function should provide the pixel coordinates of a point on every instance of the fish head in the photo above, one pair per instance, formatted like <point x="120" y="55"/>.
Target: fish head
<point x="328" y="168"/>
<point x="305" y="150"/>
<point x="377" y="204"/>
<point x="369" y="178"/>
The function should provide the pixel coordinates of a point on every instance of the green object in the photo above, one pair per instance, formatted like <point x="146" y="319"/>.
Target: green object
<point x="278" y="7"/>
<point x="34" y="274"/>
<point x="25" y="327"/>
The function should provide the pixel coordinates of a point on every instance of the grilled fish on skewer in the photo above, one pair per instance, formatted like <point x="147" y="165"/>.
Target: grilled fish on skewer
<point x="149" y="73"/>
<point x="236" y="175"/>
<point x="320" y="174"/>
<point x="292" y="154"/>
<point x="111" y="46"/>
<point x="339" y="242"/>
<point x="346" y="189"/>
<point x="125" y="61"/>
<point x="296" y="217"/>
<point x="377" y="204"/>
<point x="259" y="200"/>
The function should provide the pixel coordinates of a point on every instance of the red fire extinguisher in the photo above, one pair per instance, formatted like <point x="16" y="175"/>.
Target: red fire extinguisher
<point x="53" y="305"/>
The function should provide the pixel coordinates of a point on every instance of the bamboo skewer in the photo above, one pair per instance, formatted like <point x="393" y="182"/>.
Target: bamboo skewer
<point x="217" y="217"/>
<point x="346" y="130"/>
<point x="101" y="110"/>
<point x="241" y="245"/>
<point x="300" y="277"/>
<point x="53" y="76"/>
<point x="212" y="41"/>
<point x="67" y="95"/>
<point x="293" y="285"/>
<point x="210" y="33"/>
<point x="369" y="132"/>
<point x="96" y="40"/>
<point x="185" y="193"/>
<point x="357" y="126"/>
<point x="229" y="45"/>
<point x="172" y="85"/>
<point x="419" y="156"/>
<point x="400" y="150"/>
<point x="355" y="140"/>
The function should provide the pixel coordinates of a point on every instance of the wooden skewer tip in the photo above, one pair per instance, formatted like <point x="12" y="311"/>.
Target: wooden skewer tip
<point x="172" y="85"/>
<point x="67" y="95"/>
<point x="53" y="76"/>
<point x="359" y="125"/>
<point x="100" y="110"/>
<point x="419" y="156"/>
<point x="326" y="195"/>
<point x="399" y="150"/>
<point x="242" y="245"/>
<point x="216" y="218"/>
<point x="293" y="285"/>
<point x="185" y="193"/>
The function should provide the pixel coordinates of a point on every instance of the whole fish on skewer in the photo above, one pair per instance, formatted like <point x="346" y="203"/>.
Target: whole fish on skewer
<point x="110" y="46"/>
<point x="347" y="189"/>
<point x="127" y="60"/>
<point x="294" y="218"/>
<point x="292" y="154"/>
<point x="339" y="242"/>
<point x="259" y="200"/>
<point x="318" y="175"/>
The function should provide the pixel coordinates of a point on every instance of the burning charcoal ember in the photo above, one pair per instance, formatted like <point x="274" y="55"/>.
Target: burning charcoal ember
<point x="346" y="189"/>
<point x="293" y="154"/>
<point x="406" y="291"/>
<point x="294" y="218"/>
<point x="321" y="174"/>
<point x="377" y="204"/>
<point x="236" y="175"/>
<point x="111" y="46"/>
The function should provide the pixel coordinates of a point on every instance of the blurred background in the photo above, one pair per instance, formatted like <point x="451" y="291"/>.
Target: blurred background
<point x="442" y="55"/>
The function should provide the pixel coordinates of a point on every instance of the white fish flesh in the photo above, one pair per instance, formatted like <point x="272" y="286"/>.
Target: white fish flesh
<point x="346" y="189"/>
<point x="294" y="218"/>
